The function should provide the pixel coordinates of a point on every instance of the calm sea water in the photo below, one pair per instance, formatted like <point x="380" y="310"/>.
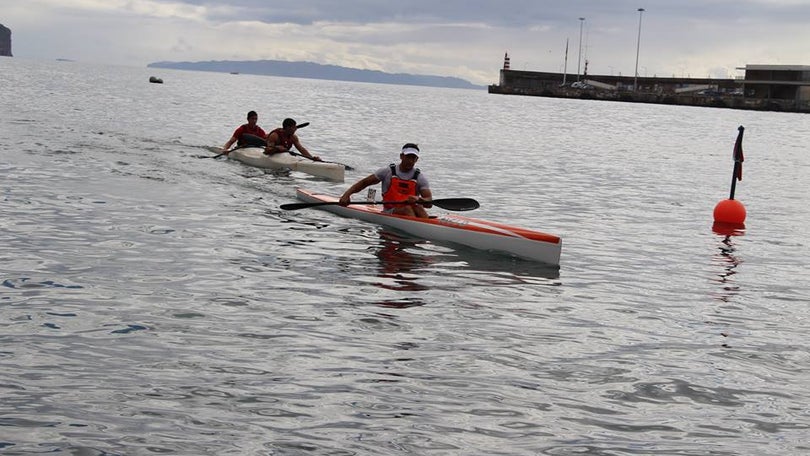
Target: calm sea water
<point x="155" y="302"/>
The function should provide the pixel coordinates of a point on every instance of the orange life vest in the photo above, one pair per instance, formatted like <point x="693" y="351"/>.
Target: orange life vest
<point x="400" y="189"/>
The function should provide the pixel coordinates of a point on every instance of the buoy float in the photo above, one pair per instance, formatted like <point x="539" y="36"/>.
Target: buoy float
<point x="729" y="211"/>
<point x="729" y="214"/>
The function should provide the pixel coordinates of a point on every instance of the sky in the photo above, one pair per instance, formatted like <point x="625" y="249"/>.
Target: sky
<point x="459" y="38"/>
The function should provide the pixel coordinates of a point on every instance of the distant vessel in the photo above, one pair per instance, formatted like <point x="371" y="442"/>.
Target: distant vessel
<point x="234" y="72"/>
<point x="155" y="80"/>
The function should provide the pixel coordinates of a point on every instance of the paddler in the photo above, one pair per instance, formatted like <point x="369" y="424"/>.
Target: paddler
<point x="282" y="139"/>
<point x="400" y="182"/>
<point x="250" y="128"/>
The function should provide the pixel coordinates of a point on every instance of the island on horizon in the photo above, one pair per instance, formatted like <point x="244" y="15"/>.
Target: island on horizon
<point x="309" y="70"/>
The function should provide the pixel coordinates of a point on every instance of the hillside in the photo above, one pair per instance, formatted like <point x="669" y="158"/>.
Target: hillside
<point x="316" y="71"/>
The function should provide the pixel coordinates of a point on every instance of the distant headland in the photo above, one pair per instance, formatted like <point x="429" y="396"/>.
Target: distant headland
<point x="311" y="70"/>
<point x="5" y="41"/>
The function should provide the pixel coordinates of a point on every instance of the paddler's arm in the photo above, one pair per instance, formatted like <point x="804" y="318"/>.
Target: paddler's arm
<point x="304" y="150"/>
<point x="371" y="179"/>
<point x="227" y="146"/>
<point x="271" y="147"/>
<point x="425" y="197"/>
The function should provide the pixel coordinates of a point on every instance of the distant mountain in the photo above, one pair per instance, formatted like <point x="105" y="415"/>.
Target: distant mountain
<point x="316" y="71"/>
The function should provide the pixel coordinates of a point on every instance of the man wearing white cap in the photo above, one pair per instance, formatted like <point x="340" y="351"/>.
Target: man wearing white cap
<point x="402" y="182"/>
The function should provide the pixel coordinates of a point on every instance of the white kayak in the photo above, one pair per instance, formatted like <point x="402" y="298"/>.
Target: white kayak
<point x="480" y="234"/>
<point x="254" y="156"/>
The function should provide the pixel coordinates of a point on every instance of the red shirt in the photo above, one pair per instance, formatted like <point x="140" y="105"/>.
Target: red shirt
<point x="246" y="129"/>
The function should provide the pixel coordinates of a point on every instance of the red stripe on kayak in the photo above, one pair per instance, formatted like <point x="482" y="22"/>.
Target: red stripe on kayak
<point x="454" y="221"/>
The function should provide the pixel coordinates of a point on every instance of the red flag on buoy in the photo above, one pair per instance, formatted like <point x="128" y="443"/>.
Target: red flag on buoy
<point x="738" y="156"/>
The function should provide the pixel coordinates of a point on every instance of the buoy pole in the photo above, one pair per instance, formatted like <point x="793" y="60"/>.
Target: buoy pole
<point x="738" y="159"/>
<point x="729" y="215"/>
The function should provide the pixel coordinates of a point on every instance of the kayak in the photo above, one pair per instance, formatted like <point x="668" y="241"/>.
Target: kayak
<point x="254" y="156"/>
<point x="476" y="233"/>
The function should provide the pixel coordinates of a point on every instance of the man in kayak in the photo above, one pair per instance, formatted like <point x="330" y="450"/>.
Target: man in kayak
<point x="249" y="128"/>
<point x="402" y="182"/>
<point x="282" y="139"/>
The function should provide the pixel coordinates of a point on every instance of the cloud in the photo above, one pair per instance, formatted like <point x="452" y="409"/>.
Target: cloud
<point x="452" y="38"/>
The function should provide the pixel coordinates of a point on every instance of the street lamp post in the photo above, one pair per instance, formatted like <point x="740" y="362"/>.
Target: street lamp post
<point x="579" y="55"/>
<point x="638" y="46"/>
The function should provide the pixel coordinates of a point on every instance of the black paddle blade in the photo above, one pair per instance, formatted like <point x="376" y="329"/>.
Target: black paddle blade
<point x="296" y="206"/>
<point x="253" y="140"/>
<point x="451" y="204"/>
<point x="457" y="204"/>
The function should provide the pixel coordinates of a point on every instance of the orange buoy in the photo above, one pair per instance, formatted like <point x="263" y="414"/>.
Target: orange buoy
<point x="729" y="211"/>
<point x="729" y="214"/>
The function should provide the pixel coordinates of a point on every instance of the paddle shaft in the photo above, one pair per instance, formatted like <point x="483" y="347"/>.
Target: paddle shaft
<point x="451" y="204"/>
<point x="226" y="152"/>
<point x="248" y="140"/>
<point x="345" y="166"/>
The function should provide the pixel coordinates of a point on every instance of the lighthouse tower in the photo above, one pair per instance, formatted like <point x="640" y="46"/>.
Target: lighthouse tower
<point x="506" y="61"/>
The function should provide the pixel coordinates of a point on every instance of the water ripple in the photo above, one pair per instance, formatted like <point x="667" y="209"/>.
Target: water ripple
<point x="155" y="302"/>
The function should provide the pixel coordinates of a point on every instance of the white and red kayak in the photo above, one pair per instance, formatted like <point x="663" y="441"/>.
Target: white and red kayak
<point x="255" y="156"/>
<point x="480" y="234"/>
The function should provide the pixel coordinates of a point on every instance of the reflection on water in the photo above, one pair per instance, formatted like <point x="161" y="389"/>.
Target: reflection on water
<point x="154" y="302"/>
<point x="395" y="255"/>
<point x="729" y="288"/>
<point x="401" y="255"/>
<point x="398" y="262"/>
<point x="728" y="229"/>
<point x="729" y="262"/>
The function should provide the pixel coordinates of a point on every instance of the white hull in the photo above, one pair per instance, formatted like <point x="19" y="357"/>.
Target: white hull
<point x="254" y="156"/>
<point x="480" y="234"/>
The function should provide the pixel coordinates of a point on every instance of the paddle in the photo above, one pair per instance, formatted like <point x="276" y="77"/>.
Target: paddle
<point x="451" y="204"/>
<point x="225" y="153"/>
<point x="345" y="166"/>
<point x="222" y="153"/>
<point x="247" y="140"/>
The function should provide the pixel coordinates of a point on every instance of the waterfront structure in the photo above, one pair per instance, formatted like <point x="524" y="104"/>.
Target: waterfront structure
<point x="5" y="41"/>
<point x="638" y="47"/>
<point x="764" y="87"/>
<point x="778" y="82"/>
<point x="579" y="55"/>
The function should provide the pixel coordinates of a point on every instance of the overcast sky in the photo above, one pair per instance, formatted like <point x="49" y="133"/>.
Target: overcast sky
<point x="461" y="38"/>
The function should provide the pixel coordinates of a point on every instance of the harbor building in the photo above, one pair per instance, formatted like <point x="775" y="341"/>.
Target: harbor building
<point x="763" y="87"/>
